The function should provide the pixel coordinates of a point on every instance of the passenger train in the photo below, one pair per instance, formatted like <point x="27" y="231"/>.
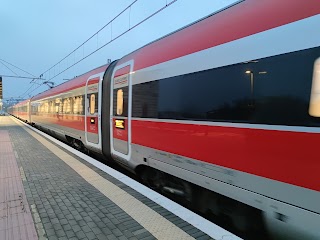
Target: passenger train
<point x="224" y="113"/>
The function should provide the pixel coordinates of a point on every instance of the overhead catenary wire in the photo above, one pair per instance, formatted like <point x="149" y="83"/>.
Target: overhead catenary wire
<point x="113" y="39"/>
<point x="91" y="53"/>
<point x="27" y="93"/>
<point x="8" y="68"/>
<point x="107" y="24"/>
<point x="17" y="67"/>
<point x="82" y="45"/>
<point x="2" y="61"/>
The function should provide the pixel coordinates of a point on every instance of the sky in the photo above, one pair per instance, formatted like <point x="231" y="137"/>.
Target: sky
<point x="36" y="34"/>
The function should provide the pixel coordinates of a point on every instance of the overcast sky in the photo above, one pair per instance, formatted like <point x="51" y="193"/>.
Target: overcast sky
<point x="36" y="34"/>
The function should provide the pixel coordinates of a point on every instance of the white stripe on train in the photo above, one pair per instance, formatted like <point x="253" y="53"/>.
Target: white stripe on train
<point x="291" y="37"/>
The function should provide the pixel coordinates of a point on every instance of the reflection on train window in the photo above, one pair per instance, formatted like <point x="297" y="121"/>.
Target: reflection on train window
<point x="119" y="102"/>
<point x="92" y="103"/>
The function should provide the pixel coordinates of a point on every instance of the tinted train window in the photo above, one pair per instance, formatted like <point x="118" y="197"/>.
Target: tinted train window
<point x="145" y="100"/>
<point x="221" y="94"/>
<point x="273" y="90"/>
<point x="282" y="87"/>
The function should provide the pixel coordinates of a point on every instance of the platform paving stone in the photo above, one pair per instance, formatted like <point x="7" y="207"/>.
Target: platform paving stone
<point x="68" y="206"/>
<point x="71" y="208"/>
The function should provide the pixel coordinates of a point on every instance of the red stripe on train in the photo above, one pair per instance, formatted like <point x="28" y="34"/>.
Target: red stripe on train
<point x="122" y="71"/>
<point x="67" y="120"/>
<point x="284" y="156"/>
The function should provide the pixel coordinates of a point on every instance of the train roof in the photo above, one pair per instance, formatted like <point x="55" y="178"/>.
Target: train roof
<point x="77" y="82"/>
<point x="24" y="102"/>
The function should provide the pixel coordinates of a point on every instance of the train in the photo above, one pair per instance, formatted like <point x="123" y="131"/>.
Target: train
<point x="224" y="113"/>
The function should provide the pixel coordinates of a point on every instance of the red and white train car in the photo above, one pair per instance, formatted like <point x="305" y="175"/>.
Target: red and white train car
<point x="229" y="103"/>
<point x="21" y="110"/>
<point x="71" y="110"/>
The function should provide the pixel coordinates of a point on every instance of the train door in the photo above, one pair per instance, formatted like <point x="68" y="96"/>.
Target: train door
<point x="120" y="111"/>
<point x="92" y="111"/>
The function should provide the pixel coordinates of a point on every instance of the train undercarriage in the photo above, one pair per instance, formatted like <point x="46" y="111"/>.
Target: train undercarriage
<point x="241" y="219"/>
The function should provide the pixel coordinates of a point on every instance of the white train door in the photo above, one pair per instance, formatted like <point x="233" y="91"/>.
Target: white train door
<point x="120" y="111"/>
<point x="92" y="111"/>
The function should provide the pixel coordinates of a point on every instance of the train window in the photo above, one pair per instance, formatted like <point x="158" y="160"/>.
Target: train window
<point x="282" y="87"/>
<point x="272" y="90"/>
<point x="58" y="105"/>
<point x="66" y="105"/>
<point x="92" y="103"/>
<point x="76" y="105"/>
<point x="119" y="102"/>
<point x="314" y="107"/>
<point x="51" y="106"/>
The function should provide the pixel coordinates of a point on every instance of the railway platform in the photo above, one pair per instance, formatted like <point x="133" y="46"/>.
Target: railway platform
<point x="51" y="191"/>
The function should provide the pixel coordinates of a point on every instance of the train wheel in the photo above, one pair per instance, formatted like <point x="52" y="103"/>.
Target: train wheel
<point x="151" y="178"/>
<point x="77" y="144"/>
